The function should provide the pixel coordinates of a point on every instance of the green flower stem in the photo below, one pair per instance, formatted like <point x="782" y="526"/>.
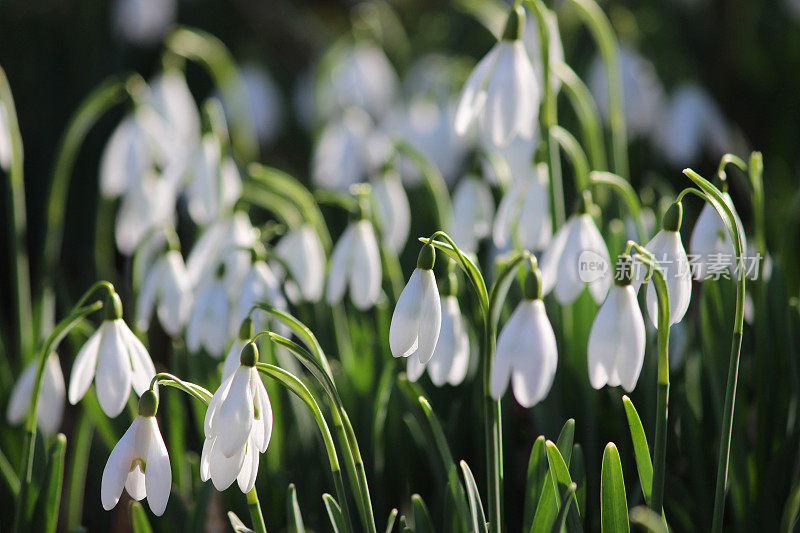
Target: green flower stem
<point x="254" y="506"/>
<point x="662" y="403"/>
<point x="17" y="225"/>
<point x="298" y="388"/>
<point x="76" y="475"/>
<point x="433" y="181"/>
<point x="715" y="198"/>
<point x="624" y="189"/>
<point x="548" y="117"/>
<point x="576" y="155"/>
<point x="198" y="392"/>
<point x="603" y="34"/>
<point x="586" y="111"/>
<point x="26" y="464"/>
<point x="108" y="94"/>
<point x="202" y="47"/>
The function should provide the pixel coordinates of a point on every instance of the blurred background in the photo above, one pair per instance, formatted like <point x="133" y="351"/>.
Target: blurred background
<point x="701" y="78"/>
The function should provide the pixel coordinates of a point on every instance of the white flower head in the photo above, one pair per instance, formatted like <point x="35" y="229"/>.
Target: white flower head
<point x="238" y="426"/>
<point x="147" y="204"/>
<point x="215" y="183"/>
<point x="166" y="287"/>
<point x="526" y="352"/>
<point x="116" y="359"/>
<point x="304" y="256"/>
<point x="393" y="210"/>
<point x="260" y="285"/>
<point x="417" y="318"/>
<point x="523" y="217"/>
<point x="139" y="463"/>
<point x="577" y="242"/>
<point x="710" y="244"/>
<point x="473" y="213"/>
<point x="617" y="339"/>
<point x="450" y="360"/>
<point x="210" y="317"/>
<point x="215" y="245"/>
<point x="502" y="94"/>
<point x="356" y="262"/>
<point x="144" y="22"/>
<point x="52" y="391"/>
<point x="670" y="256"/>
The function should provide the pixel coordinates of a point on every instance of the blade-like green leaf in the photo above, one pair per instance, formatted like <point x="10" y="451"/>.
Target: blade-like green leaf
<point x="537" y="472"/>
<point x="640" y="448"/>
<point x="139" y="521"/>
<point x="791" y="512"/>
<point x="422" y="518"/>
<point x="334" y="513"/>
<point x="567" y="497"/>
<point x="50" y="495"/>
<point x="294" y="517"/>
<point x="613" y="502"/>
<point x="390" y="521"/>
<point x="577" y="469"/>
<point x="474" y="498"/>
<point x="566" y="439"/>
<point x="237" y="525"/>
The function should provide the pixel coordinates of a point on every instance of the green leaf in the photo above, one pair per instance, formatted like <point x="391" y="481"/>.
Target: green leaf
<point x="139" y="521"/>
<point x="557" y="480"/>
<point x="422" y="518"/>
<point x="390" y="521"/>
<point x="647" y="520"/>
<point x="613" y="502"/>
<point x="566" y="439"/>
<point x="50" y="495"/>
<point x="237" y="525"/>
<point x="334" y="513"/>
<point x="640" y="448"/>
<point x="295" y="518"/>
<point x="537" y="472"/>
<point x="474" y="498"/>
<point x="791" y="511"/>
<point x="566" y="504"/>
<point x="577" y="469"/>
<point x="467" y="265"/>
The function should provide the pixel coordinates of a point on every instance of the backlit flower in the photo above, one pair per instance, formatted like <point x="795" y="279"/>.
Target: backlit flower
<point x="166" y="287"/>
<point x="52" y="391"/>
<point x="355" y="262"/>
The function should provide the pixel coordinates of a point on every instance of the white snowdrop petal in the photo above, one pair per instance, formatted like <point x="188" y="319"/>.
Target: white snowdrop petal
<point x="502" y="98"/>
<point x="205" y="459"/>
<point x="442" y="359"/>
<point x="247" y="475"/>
<point x="232" y="360"/>
<point x="508" y="343"/>
<point x="146" y="300"/>
<point x="83" y="369"/>
<point x="507" y="214"/>
<point x="535" y="363"/>
<point x="365" y="269"/>
<point x="215" y="335"/>
<point x="473" y="94"/>
<point x="194" y="329"/>
<point x="113" y="379"/>
<point x="143" y="370"/>
<point x="53" y="391"/>
<point x="430" y="319"/>
<point x="601" y="352"/>
<point x="568" y="285"/>
<point x="209" y="423"/>
<point x="115" y="473"/>
<point x="20" y="400"/>
<point x="460" y="363"/>
<point x="592" y="241"/>
<point x="404" y="328"/>
<point x="341" y="261"/>
<point x="414" y="368"/>
<point x="224" y="470"/>
<point x="632" y="340"/>
<point x="158" y="474"/>
<point x="236" y="414"/>
<point x="549" y="265"/>
<point x="265" y="415"/>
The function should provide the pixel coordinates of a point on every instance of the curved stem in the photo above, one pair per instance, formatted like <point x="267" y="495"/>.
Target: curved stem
<point x="26" y="464"/>
<point x="292" y="383"/>
<point x="625" y="190"/>
<point x="580" y="164"/>
<point x="254" y="506"/>
<point x="603" y="34"/>
<point x="164" y="378"/>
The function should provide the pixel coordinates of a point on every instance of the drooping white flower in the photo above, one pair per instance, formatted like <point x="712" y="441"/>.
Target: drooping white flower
<point x="215" y="182"/>
<point x="518" y="158"/>
<point x="144" y="22"/>
<point x="502" y="94"/>
<point x="166" y="287"/>
<point x="526" y="352"/>
<point x="523" y="217"/>
<point x="210" y="317"/>
<point x="172" y="99"/>
<point x="576" y="257"/>
<point x="711" y="245"/>
<point x="393" y="210"/>
<point x="216" y="243"/>
<point x="238" y="426"/>
<point x="450" y="360"/>
<point x="139" y="463"/>
<point x="670" y="256"/>
<point x="417" y="317"/>
<point x="260" y="285"/>
<point x="147" y="204"/>
<point x="473" y="213"/>
<point x="304" y="256"/>
<point x="617" y="339"/>
<point x="52" y="391"/>
<point x="115" y="359"/>
<point x="356" y="262"/>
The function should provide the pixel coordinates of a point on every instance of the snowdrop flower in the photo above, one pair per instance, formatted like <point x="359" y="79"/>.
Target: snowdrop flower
<point x="235" y="352"/>
<point x="617" y="339"/>
<point x="670" y="255"/>
<point x="577" y="244"/>
<point x="51" y="396"/>
<point x="530" y="37"/>
<point x="115" y="359"/>
<point x="517" y="155"/>
<point x="502" y="93"/>
<point x="690" y="123"/>
<point x="129" y="153"/>
<point x="356" y="261"/>
<point x="450" y="360"/>
<point x="526" y="350"/>
<point x="393" y="210"/>
<point x="260" y="285"/>
<point x="146" y="205"/>
<point x="523" y="216"/>
<point x="238" y="426"/>
<point x="172" y="99"/>
<point x="215" y="244"/>
<point x="215" y="184"/>
<point x="473" y="213"/>
<point x="209" y="321"/>
<point x="417" y="318"/>
<point x="710" y="244"/>
<point x="139" y="462"/>
<point x="144" y="22"/>
<point x="304" y="256"/>
<point x="641" y="89"/>
<point x="168" y="288"/>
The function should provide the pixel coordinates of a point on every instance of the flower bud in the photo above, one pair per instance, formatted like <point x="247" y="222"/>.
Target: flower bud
<point x="532" y="289"/>
<point x="515" y="24"/>
<point x="113" y="306"/>
<point x="426" y="257"/>
<point x="148" y="403"/>
<point x="249" y="355"/>
<point x="673" y="217"/>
